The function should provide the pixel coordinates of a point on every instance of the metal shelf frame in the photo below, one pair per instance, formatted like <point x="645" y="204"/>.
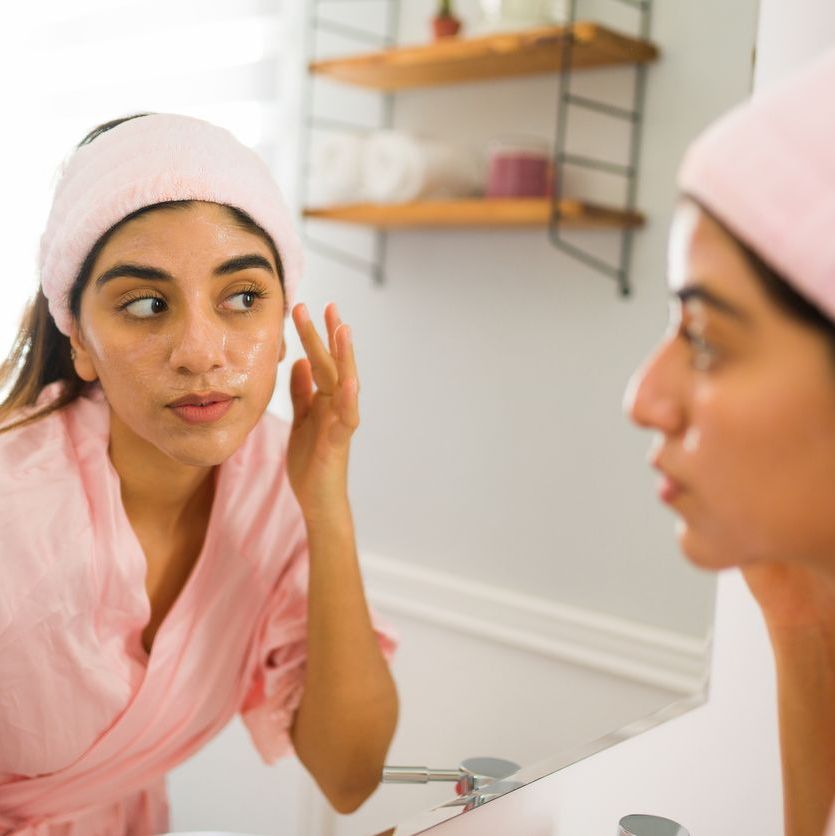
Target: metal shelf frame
<point x="317" y="21"/>
<point x="635" y="115"/>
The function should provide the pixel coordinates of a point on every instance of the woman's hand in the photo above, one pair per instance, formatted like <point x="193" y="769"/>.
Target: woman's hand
<point x="346" y="675"/>
<point x="325" y="419"/>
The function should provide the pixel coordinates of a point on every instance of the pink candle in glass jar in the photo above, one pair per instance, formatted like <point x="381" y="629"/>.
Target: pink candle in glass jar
<point x="519" y="168"/>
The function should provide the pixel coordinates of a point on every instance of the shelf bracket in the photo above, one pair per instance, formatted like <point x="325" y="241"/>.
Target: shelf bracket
<point x="565" y="98"/>
<point x="316" y="22"/>
<point x="373" y="267"/>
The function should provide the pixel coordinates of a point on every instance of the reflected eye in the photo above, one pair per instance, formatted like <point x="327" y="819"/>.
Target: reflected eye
<point x="704" y="354"/>
<point x="145" y="307"/>
<point x="245" y="300"/>
<point x="674" y="317"/>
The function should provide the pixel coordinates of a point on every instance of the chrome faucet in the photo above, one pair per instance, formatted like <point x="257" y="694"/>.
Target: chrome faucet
<point x="644" y="825"/>
<point x="472" y="775"/>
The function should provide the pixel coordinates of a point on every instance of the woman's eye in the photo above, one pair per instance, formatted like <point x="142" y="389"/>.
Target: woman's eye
<point x="145" y="307"/>
<point x="243" y="301"/>
<point x="704" y="353"/>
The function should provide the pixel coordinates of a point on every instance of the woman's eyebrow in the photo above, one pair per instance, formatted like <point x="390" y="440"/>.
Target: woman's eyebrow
<point x="243" y="262"/>
<point x="142" y="271"/>
<point x="137" y="271"/>
<point x="697" y="292"/>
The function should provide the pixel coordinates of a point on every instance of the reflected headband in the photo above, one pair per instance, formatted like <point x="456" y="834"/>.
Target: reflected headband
<point x="767" y="171"/>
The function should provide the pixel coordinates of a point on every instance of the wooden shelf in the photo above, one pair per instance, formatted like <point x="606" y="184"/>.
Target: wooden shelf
<point x="491" y="212"/>
<point x="454" y="60"/>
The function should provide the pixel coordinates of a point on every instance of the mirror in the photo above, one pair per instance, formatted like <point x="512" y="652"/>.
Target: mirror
<point x="507" y="520"/>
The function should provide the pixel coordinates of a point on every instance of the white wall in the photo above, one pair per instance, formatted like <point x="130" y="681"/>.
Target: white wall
<point x="492" y="442"/>
<point x="714" y="770"/>
<point x="788" y="34"/>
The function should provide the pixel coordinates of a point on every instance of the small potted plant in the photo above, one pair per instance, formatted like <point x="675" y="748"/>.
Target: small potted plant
<point x="445" y="24"/>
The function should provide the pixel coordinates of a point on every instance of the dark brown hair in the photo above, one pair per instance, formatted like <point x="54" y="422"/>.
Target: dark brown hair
<point x="778" y="289"/>
<point x="40" y="354"/>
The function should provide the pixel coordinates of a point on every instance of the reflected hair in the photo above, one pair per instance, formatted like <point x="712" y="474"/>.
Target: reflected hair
<point x="777" y="288"/>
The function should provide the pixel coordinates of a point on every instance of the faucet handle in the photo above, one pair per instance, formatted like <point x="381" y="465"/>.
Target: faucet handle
<point x="472" y="774"/>
<point x="417" y="774"/>
<point x="484" y="794"/>
<point x="644" y="825"/>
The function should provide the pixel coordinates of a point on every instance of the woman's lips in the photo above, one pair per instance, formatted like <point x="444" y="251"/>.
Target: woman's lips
<point x="198" y="414"/>
<point x="668" y="489"/>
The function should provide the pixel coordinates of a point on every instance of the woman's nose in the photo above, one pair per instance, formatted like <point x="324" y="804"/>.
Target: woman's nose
<point x="653" y="397"/>
<point x="199" y="344"/>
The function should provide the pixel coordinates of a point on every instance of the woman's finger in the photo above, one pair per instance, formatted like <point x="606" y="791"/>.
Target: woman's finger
<point x="332" y="323"/>
<point x="323" y="365"/>
<point x="301" y="390"/>
<point x="349" y="412"/>
<point x="346" y="365"/>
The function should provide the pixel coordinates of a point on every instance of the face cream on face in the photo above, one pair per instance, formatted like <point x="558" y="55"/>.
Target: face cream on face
<point x="193" y="375"/>
<point x="684" y="223"/>
<point x="692" y="440"/>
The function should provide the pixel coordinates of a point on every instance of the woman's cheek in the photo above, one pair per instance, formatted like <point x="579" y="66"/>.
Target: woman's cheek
<point x="140" y="364"/>
<point x="126" y="364"/>
<point x="255" y="359"/>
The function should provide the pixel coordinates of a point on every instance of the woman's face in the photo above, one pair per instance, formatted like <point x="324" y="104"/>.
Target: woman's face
<point x="742" y="398"/>
<point x="183" y="301"/>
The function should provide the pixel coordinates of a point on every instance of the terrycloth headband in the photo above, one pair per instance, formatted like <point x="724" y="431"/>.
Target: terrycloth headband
<point x="767" y="170"/>
<point x="148" y="160"/>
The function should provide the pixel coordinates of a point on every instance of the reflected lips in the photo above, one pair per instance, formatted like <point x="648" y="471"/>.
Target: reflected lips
<point x="668" y="489"/>
<point x="202" y="409"/>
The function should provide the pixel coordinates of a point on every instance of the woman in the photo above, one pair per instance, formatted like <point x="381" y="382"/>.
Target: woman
<point x="741" y="394"/>
<point x="173" y="554"/>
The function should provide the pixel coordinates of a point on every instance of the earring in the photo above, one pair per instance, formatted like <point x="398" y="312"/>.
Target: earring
<point x="72" y="354"/>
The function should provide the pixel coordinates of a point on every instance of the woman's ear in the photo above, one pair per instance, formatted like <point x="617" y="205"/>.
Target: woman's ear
<point x="81" y="359"/>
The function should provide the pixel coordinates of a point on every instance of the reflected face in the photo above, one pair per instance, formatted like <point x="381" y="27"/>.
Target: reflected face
<point x="183" y="301"/>
<point x="742" y="398"/>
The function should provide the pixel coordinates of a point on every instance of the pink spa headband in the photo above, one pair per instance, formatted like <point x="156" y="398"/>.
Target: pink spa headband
<point x="767" y="170"/>
<point x="148" y="160"/>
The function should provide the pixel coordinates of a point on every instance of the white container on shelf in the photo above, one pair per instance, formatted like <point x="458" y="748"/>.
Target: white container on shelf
<point x="511" y="15"/>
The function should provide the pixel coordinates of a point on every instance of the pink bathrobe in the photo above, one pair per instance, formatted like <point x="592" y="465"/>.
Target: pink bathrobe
<point x="89" y="724"/>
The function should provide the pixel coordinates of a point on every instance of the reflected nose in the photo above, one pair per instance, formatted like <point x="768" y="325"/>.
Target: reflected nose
<point x="653" y="397"/>
<point x="199" y="344"/>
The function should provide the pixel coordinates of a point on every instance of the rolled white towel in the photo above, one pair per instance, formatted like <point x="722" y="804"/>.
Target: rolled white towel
<point x="336" y="169"/>
<point x="398" y="167"/>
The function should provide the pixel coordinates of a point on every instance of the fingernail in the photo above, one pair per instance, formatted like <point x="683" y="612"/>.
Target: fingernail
<point x="348" y="335"/>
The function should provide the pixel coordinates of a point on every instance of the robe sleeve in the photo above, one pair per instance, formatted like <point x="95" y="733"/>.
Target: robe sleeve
<point x="276" y="690"/>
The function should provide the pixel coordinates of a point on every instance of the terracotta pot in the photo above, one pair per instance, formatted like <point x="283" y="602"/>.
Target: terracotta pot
<point x="445" y="27"/>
